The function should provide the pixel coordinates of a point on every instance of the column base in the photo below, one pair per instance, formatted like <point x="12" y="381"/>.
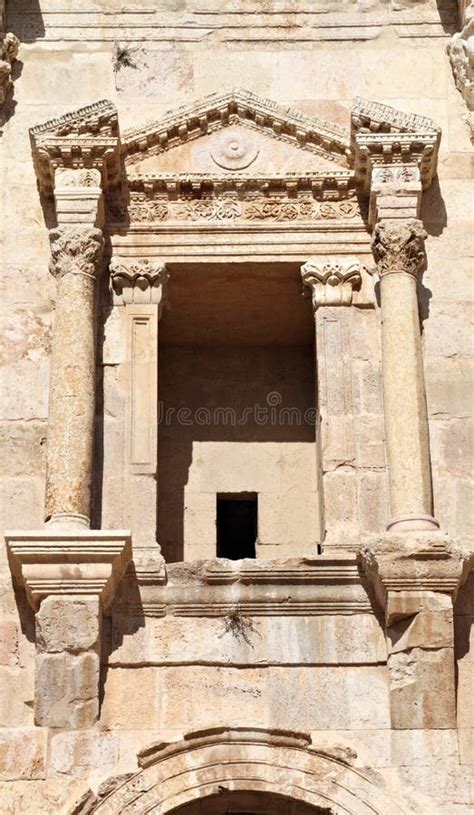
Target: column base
<point x="65" y="561"/>
<point x="412" y="523"/>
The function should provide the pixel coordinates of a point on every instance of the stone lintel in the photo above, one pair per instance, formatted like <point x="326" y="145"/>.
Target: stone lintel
<point x="69" y="562"/>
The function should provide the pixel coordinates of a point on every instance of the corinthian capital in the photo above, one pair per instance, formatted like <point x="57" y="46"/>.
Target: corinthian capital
<point x="398" y="246"/>
<point x="76" y="250"/>
<point x="136" y="281"/>
<point x="332" y="281"/>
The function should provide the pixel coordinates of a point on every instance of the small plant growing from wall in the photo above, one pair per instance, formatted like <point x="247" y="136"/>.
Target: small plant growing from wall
<point x="123" y="57"/>
<point x="239" y="626"/>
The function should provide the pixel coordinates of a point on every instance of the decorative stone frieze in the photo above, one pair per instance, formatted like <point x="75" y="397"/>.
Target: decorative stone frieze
<point x="398" y="248"/>
<point x="76" y="254"/>
<point x="137" y="281"/>
<point x="332" y="282"/>
<point x="416" y="580"/>
<point x="9" y="45"/>
<point x="461" y="55"/>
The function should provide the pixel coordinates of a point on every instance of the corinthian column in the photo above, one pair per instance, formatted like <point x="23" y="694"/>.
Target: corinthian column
<point x="398" y="248"/>
<point x="76" y="263"/>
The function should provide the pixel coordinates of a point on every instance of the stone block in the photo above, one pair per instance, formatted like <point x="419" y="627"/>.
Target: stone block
<point x="340" y="498"/>
<point x="22" y="753"/>
<point x="200" y="520"/>
<point x="418" y="748"/>
<point x="457" y="447"/>
<point x="450" y="330"/>
<point x="466" y="745"/>
<point x="366" y="387"/>
<point x="87" y="753"/>
<point x="23" y="447"/>
<point x="22" y="502"/>
<point x="369" y="440"/>
<point x="422" y="691"/>
<point x="431" y="629"/>
<point x="9" y="645"/>
<point x="68" y="624"/>
<point x="66" y="690"/>
<point x="289" y="518"/>
<point x="16" y="697"/>
<point x="449" y="390"/>
<point x="25" y="390"/>
<point x="372" y="499"/>
<point x="324" y="639"/>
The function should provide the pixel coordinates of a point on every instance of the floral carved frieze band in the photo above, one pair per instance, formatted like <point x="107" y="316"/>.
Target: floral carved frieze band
<point x="137" y="280"/>
<point x="145" y="210"/>
<point x="331" y="281"/>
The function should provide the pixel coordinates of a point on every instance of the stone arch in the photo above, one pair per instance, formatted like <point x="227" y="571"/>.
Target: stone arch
<point x="274" y="762"/>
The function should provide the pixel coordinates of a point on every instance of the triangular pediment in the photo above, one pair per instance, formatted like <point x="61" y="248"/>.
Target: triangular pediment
<point x="232" y="133"/>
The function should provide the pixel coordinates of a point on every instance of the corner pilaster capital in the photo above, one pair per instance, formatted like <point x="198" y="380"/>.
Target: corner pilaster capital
<point x="398" y="246"/>
<point x="395" y="192"/>
<point x="76" y="250"/>
<point x="138" y="281"/>
<point x="459" y="50"/>
<point x="87" y="139"/>
<point x="69" y="562"/>
<point x="78" y="197"/>
<point x="332" y="281"/>
<point x="408" y="573"/>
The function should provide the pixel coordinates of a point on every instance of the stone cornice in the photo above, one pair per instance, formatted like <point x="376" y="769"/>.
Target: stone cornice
<point x="69" y="562"/>
<point x="216" y="110"/>
<point x="382" y="135"/>
<point x="86" y="138"/>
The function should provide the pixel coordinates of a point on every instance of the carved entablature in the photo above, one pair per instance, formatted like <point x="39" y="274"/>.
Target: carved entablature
<point x="236" y="164"/>
<point x="87" y="138"/>
<point x="382" y="135"/>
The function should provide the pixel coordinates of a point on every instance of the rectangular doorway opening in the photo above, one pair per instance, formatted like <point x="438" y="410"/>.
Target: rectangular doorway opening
<point x="237" y="518"/>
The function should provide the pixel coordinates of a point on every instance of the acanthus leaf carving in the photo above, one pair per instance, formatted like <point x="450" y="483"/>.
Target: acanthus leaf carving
<point x="398" y="246"/>
<point x="137" y="280"/>
<point x="76" y="250"/>
<point x="332" y="281"/>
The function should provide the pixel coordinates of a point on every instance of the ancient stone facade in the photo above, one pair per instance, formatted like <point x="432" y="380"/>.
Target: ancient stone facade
<point x="236" y="574"/>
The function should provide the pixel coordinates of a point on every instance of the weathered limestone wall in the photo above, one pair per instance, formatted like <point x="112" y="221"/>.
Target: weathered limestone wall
<point x="322" y="674"/>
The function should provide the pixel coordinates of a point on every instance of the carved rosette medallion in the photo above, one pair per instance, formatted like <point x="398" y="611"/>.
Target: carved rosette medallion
<point x="332" y="282"/>
<point x="76" y="250"/>
<point x="398" y="246"/>
<point x="137" y="281"/>
<point x="234" y="150"/>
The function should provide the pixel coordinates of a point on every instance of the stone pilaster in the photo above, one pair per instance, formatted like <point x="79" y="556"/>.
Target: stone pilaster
<point x="398" y="247"/>
<point x="333" y="282"/>
<point x="76" y="253"/>
<point x="138" y="287"/>
<point x="416" y="579"/>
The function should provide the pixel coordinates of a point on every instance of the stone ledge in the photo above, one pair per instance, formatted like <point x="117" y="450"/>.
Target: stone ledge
<point x="66" y="562"/>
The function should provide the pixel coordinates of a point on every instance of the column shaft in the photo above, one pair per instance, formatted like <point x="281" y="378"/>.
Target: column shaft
<point x="398" y="248"/>
<point x="72" y="383"/>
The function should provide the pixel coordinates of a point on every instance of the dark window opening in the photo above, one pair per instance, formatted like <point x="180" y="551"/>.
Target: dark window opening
<point x="236" y="525"/>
